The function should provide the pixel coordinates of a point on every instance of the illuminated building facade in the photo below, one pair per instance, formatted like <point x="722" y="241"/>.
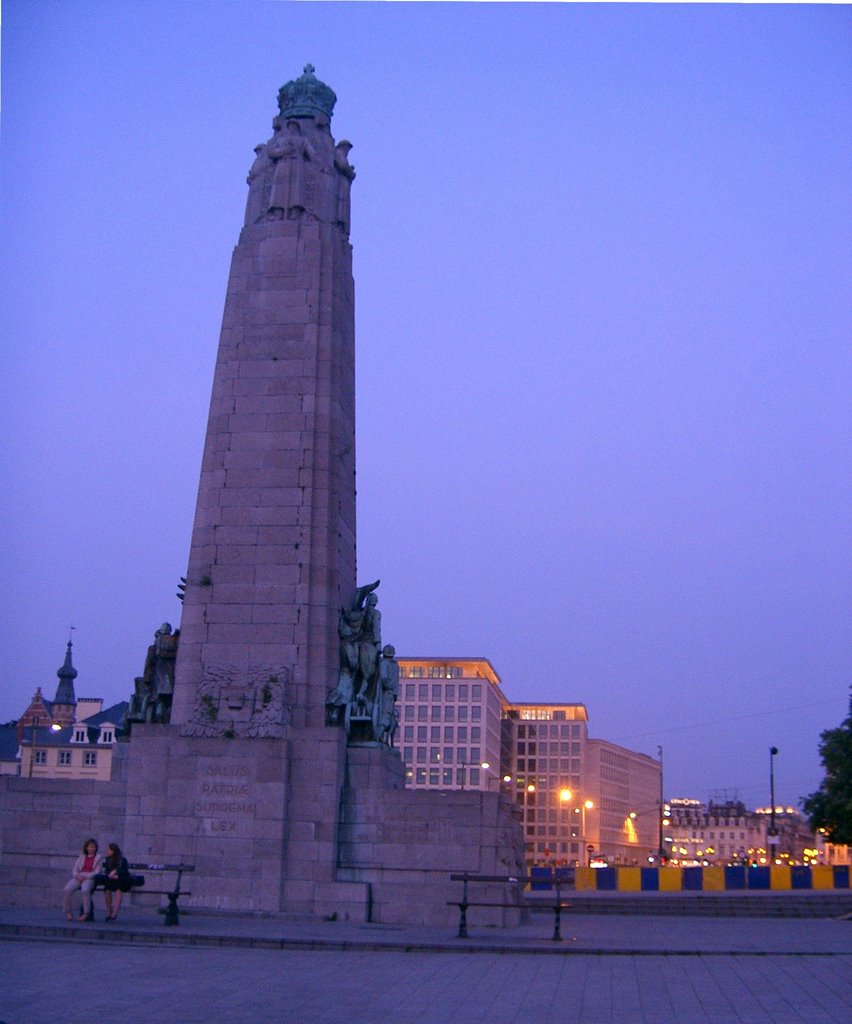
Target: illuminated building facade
<point x="580" y="799"/>
<point x="728" y="833"/>
<point x="450" y="711"/>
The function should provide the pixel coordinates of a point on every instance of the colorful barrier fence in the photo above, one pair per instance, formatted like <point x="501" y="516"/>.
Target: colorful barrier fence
<point x="711" y="879"/>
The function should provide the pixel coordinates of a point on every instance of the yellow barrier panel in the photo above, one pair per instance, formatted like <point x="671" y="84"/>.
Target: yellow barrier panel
<point x="671" y="879"/>
<point x="714" y="879"/>
<point x="780" y="877"/>
<point x="629" y="879"/>
<point x="822" y="876"/>
<point x="585" y="879"/>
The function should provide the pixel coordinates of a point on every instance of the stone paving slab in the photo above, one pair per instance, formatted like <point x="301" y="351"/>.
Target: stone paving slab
<point x="74" y="983"/>
<point x="601" y="935"/>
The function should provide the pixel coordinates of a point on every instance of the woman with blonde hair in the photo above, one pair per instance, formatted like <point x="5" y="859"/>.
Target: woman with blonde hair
<point x="86" y="866"/>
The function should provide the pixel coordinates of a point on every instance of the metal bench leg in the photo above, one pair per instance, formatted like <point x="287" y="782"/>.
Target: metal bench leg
<point x="557" y="924"/>
<point x="172" y="916"/>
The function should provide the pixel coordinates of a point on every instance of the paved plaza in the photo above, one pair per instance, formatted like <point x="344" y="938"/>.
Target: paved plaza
<point x="608" y="970"/>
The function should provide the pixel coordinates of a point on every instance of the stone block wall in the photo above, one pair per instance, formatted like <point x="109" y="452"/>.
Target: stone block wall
<point x="43" y="825"/>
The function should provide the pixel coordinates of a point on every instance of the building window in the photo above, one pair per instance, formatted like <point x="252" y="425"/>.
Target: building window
<point x="434" y="776"/>
<point x="449" y="736"/>
<point x="409" y="713"/>
<point x="423" y="691"/>
<point x="448" y="777"/>
<point x="436" y="691"/>
<point x="451" y="691"/>
<point x="420" y="777"/>
<point x="421" y="733"/>
<point x="436" y="712"/>
<point x="422" y="713"/>
<point x="463" y="691"/>
<point x="407" y="753"/>
<point x="416" y="672"/>
<point x="462" y="714"/>
<point x="65" y="757"/>
<point x="90" y="757"/>
<point x="474" y="776"/>
<point x="409" y="691"/>
<point x="107" y="736"/>
<point x="448" y="755"/>
<point x="449" y="714"/>
<point x="462" y="734"/>
<point x="434" y="754"/>
<point x="435" y="736"/>
<point x="421" y="753"/>
<point x="476" y="691"/>
<point x="80" y="736"/>
<point x="41" y="757"/>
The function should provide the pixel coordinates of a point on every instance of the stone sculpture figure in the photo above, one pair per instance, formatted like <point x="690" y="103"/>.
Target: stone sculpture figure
<point x="369" y="646"/>
<point x="344" y="182"/>
<point x="388" y="717"/>
<point x="291" y="153"/>
<point x="363" y="700"/>
<point x="259" y="183"/>
<point x="151" y="700"/>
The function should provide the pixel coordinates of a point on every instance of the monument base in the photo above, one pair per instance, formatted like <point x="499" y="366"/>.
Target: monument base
<point x="219" y="804"/>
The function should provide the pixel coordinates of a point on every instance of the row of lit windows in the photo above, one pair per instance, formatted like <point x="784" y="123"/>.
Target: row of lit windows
<point x="551" y="830"/>
<point x="549" y="731"/>
<point x="710" y="835"/>
<point x="437" y="713"/>
<point x="563" y="847"/>
<point x="551" y="748"/>
<point x="544" y="764"/>
<point x="90" y="757"/>
<point x="439" y="691"/>
<point x="432" y="672"/>
<point x="449" y="756"/>
<point x="445" y="776"/>
<point x="547" y="714"/>
<point x="452" y="733"/>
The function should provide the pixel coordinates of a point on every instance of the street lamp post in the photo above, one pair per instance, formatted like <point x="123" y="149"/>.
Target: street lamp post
<point x="772" y="837"/>
<point x="33" y="729"/>
<point x="660" y="848"/>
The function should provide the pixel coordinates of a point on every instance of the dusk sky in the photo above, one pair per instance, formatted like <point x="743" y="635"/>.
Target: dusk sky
<point x="602" y="258"/>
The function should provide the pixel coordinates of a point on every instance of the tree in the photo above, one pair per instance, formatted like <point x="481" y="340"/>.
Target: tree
<point x="831" y="806"/>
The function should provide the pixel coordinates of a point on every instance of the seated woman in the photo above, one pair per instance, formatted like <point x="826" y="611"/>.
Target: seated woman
<point x="115" y="878"/>
<point x="86" y="867"/>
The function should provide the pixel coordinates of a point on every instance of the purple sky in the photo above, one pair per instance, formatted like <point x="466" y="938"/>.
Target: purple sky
<point x="602" y="260"/>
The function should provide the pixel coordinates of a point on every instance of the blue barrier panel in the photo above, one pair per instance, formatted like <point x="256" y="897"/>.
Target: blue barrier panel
<point x="693" y="879"/>
<point x="607" y="878"/>
<point x="542" y="878"/>
<point x="759" y="878"/>
<point x="565" y="876"/>
<point x="800" y="877"/>
<point x="841" y="876"/>
<point x="650" y="879"/>
<point x="735" y="877"/>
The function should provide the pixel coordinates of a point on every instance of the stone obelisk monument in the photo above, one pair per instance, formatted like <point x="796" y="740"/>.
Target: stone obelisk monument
<point x="276" y="775"/>
<point x="273" y="544"/>
<point x="246" y="779"/>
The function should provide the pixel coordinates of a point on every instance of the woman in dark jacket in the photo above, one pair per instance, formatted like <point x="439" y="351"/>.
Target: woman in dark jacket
<point x="115" y="880"/>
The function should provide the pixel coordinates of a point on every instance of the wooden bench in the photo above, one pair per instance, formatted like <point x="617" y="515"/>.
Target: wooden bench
<point x="172" y="917"/>
<point x="557" y="905"/>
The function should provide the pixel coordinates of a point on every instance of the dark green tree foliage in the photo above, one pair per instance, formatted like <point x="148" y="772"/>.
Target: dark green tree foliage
<point x="831" y="806"/>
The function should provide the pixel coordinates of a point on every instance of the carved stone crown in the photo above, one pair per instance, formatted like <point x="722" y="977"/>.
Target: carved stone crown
<point x="306" y="96"/>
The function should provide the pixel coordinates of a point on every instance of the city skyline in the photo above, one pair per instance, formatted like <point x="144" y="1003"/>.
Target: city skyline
<point x="602" y="316"/>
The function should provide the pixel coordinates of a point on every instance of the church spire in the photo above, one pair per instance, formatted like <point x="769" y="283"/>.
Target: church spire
<point x="67" y="674"/>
